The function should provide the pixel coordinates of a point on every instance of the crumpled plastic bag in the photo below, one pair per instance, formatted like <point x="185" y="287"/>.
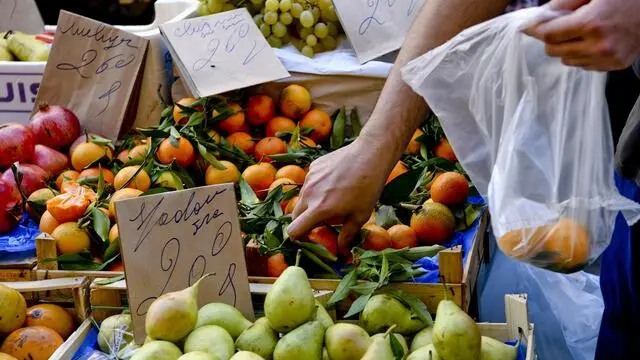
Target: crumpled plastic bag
<point x="534" y="137"/>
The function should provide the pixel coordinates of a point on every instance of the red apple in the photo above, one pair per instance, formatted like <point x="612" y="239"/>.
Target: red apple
<point x="50" y="160"/>
<point x="33" y="178"/>
<point x="55" y="126"/>
<point x="10" y="209"/>
<point x="17" y="143"/>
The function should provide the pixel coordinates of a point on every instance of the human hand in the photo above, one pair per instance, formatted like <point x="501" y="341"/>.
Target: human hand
<point x="344" y="184"/>
<point x="600" y="35"/>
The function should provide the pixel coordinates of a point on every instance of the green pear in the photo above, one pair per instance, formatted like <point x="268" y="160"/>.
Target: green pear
<point x="323" y="316"/>
<point x="197" y="355"/>
<point x="290" y="301"/>
<point x="173" y="315"/>
<point x="493" y="349"/>
<point x="127" y="352"/>
<point x="346" y="342"/>
<point x="26" y="47"/>
<point x="380" y="348"/>
<point x="225" y="316"/>
<point x="157" y="350"/>
<point x="246" y="355"/>
<point x="427" y="352"/>
<point x="422" y="339"/>
<point x="325" y="354"/>
<point x="301" y="343"/>
<point x="383" y="311"/>
<point x="455" y="334"/>
<point x="211" y="339"/>
<point x="258" y="338"/>
<point x="401" y="340"/>
<point x="115" y="333"/>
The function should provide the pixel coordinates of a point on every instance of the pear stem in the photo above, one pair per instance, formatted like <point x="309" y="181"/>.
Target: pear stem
<point x="197" y="284"/>
<point x="446" y="288"/>
<point x="298" y="257"/>
<point x="390" y="330"/>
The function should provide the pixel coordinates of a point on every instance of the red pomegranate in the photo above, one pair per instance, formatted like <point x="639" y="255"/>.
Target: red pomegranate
<point x="55" y="126"/>
<point x="10" y="209"/>
<point x="33" y="178"/>
<point x="17" y="143"/>
<point x="50" y="160"/>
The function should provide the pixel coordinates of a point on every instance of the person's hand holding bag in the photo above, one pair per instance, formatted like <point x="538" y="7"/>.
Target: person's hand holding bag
<point x="600" y="35"/>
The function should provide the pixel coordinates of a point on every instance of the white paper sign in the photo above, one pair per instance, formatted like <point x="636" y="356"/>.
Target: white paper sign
<point x="222" y="52"/>
<point x="170" y="240"/>
<point x="376" y="27"/>
<point x="20" y="15"/>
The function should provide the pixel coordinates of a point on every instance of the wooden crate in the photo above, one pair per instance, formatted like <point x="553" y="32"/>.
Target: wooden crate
<point x="17" y="270"/>
<point x="516" y="327"/>
<point x="73" y="343"/>
<point x="114" y="295"/>
<point x="460" y="278"/>
<point x="42" y="290"/>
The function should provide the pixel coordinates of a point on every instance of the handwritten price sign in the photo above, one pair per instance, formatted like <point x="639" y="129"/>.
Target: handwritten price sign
<point x="376" y="27"/>
<point x="20" y="15"/>
<point x="171" y="240"/>
<point x="93" y="69"/>
<point x="222" y="52"/>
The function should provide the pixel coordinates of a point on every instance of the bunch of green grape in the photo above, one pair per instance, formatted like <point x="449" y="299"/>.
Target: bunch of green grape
<point x="312" y="26"/>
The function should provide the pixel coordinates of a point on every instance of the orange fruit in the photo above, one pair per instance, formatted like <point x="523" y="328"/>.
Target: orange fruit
<point x="81" y="139"/>
<point x="433" y="224"/>
<point x="321" y="123"/>
<point x="287" y="184"/>
<point x="122" y="194"/>
<point x="450" y="188"/>
<point x="376" y="238"/>
<point x="32" y="343"/>
<point x="214" y="136"/>
<point x="269" y="146"/>
<point x="116" y="266"/>
<point x="279" y="124"/>
<point x="69" y="206"/>
<point x="179" y="150"/>
<point x="260" y="177"/>
<point x="397" y="170"/>
<point x="142" y="181"/>
<point x="291" y="204"/>
<point x="293" y="172"/>
<point x="295" y="101"/>
<point x="67" y="175"/>
<point x="123" y="156"/>
<point x="234" y="122"/>
<point x="70" y="238"/>
<point x="48" y="223"/>
<point x="229" y="175"/>
<point x="107" y="175"/>
<point x="260" y="109"/>
<point x="414" y="147"/>
<point x="276" y="265"/>
<point x="87" y="153"/>
<point x="444" y="150"/>
<point x="138" y="152"/>
<point x="242" y="141"/>
<point x="40" y="196"/>
<point x="51" y="316"/>
<point x="325" y="236"/>
<point x="75" y="188"/>
<point x="114" y="233"/>
<point x="402" y="236"/>
<point x="4" y="356"/>
<point x="563" y="246"/>
<point x="178" y="116"/>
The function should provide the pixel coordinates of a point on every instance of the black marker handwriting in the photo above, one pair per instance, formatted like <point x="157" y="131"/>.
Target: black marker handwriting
<point x="167" y="264"/>
<point x="192" y="275"/>
<point x="87" y="58"/>
<point x="222" y="238"/>
<point x="122" y="61"/>
<point x="107" y="96"/>
<point x="100" y="34"/>
<point x="205" y="29"/>
<point x="212" y="48"/>
<point x="228" y="283"/>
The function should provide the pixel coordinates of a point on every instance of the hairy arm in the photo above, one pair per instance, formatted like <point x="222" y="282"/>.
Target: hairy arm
<point x="347" y="183"/>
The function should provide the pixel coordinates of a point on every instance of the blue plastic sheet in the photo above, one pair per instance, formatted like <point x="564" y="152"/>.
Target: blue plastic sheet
<point x="20" y="242"/>
<point x="89" y="345"/>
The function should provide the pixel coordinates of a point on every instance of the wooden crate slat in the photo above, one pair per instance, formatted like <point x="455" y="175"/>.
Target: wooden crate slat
<point x="73" y="343"/>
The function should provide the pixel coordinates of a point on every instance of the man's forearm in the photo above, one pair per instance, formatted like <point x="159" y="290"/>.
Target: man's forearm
<point x="399" y="110"/>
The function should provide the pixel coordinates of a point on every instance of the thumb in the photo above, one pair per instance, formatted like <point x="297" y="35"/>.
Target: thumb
<point x="567" y="5"/>
<point x="349" y="230"/>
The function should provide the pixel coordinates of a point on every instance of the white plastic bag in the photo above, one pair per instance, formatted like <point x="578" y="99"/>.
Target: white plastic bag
<point x="533" y="135"/>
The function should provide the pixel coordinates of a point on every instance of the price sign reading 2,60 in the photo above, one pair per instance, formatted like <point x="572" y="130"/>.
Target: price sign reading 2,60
<point x="171" y="240"/>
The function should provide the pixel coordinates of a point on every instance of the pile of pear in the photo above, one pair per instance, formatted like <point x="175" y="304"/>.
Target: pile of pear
<point x="297" y="327"/>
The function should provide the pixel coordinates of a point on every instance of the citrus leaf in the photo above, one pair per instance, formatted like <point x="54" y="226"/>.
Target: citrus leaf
<point x="154" y="191"/>
<point x="356" y="125"/>
<point x="344" y="288"/>
<point x="108" y="281"/>
<point x="396" y="347"/>
<point x="318" y="261"/>
<point x="337" y="135"/>
<point x="195" y="119"/>
<point x="386" y="217"/>
<point x="317" y="249"/>
<point x="210" y="158"/>
<point x="365" y="288"/>
<point x="113" y="249"/>
<point x="247" y="195"/>
<point x="358" y="305"/>
<point x="400" y="188"/>
<point x="416" y="305"/>
<point x="101" y="224"/>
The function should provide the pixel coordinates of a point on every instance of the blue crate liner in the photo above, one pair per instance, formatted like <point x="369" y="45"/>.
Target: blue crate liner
<point x="522" y="350"/>
<point x="21" y="241"/>
<point x="463" y="238"/>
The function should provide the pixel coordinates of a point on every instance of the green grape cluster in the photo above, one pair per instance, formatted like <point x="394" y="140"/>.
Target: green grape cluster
<point x="312" y="26"/>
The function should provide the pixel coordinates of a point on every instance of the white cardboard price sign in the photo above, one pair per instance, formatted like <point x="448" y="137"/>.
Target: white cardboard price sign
<point x="20" y="15"/>
<point x="376" y="27"/>
<point x="170" y="240"/>
<point x="222" y="52"/>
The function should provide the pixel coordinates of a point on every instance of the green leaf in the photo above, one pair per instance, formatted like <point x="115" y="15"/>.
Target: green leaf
<point x="317" y="249"/>
<point x="415" y="304"/>
<point x="356" y="125"/>
<point x="344" y="288"/>
<point x="113" y="249"/>
<point x="401" y="187"/>
<point x="442" y="164"/>
<point x="101" y="224"/>
<point x="358" y="305"/>
<point x="210" y="158"/>
<point x="365" y="288"/>
<point x="386" y="217"/>
<point x="154" y="133"/>
<point x="337" y="135"/>
<point x="166" y="111"/>
<point x="318" y="261"/>
<point x="109" y="280"/>
<point x="174" y="133"/>
<point x="157" y="190"/>
<point x="247" y="195"/>
<point x="105" y="264"/>
<point x="396" y="347"/>
<point x="38" y="206"/>
<point x="195" y="119"/>
<point x="100" y="140"/>
<point x="384" y="272"/>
